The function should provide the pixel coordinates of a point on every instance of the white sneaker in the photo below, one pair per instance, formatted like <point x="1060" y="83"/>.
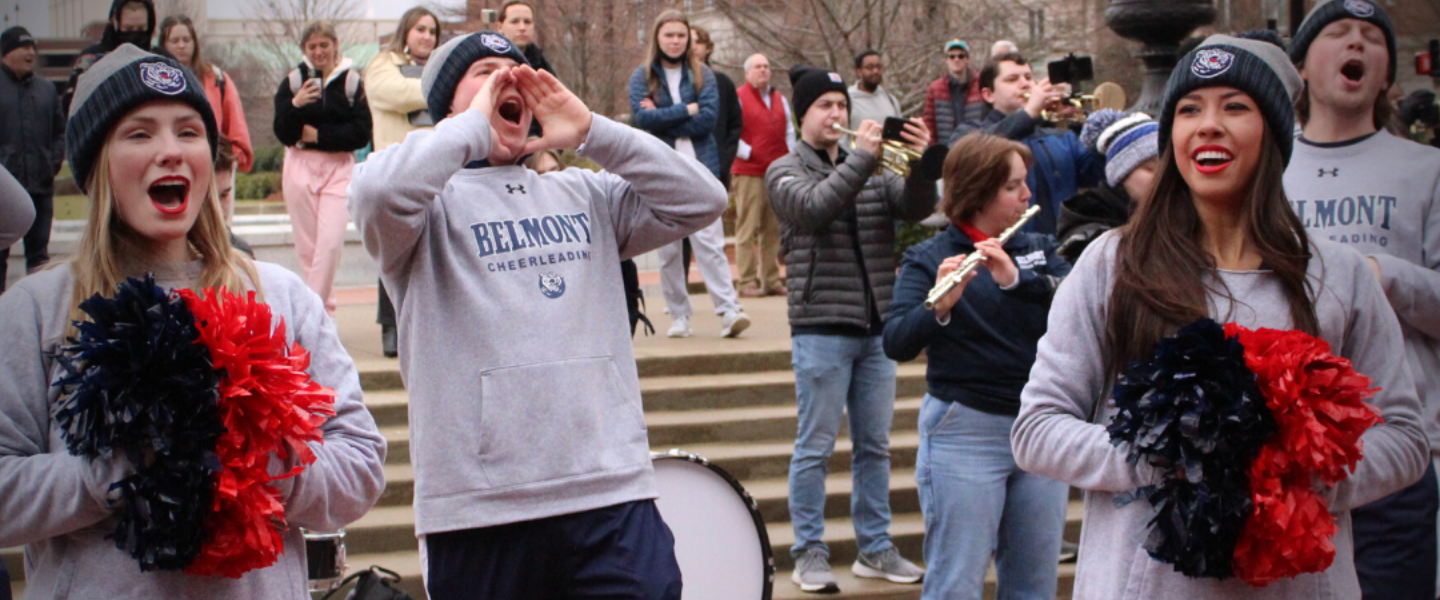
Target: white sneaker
<point x="733" y="323"/>
<point x="680" y="328"/>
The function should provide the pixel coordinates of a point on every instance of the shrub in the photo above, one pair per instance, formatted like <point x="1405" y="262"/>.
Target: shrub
<point x="256" y="185"/>
<point x="909" y="235"/>
<point x="268" y="159"/>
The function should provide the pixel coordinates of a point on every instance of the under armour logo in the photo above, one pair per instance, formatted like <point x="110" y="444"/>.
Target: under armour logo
<point x="515" y="188"/>
<point x="1335" y="172"/>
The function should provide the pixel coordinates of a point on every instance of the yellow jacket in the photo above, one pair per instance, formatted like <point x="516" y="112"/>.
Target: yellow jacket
<point x="392" y="98"/>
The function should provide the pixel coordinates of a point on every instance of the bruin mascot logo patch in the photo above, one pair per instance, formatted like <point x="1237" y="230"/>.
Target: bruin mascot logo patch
<point x="1211" y="62"/>
<point x="495" y="42"/>
<point x="162" y="78"/>
<point x="552" y="285"/>
<point x="1360" y="8"/>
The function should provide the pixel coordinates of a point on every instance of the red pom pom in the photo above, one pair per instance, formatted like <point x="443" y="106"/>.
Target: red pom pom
<point x="270" y="407"/>
<point x="1318" y="401"/>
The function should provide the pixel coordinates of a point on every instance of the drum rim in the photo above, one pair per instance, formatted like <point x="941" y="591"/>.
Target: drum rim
<point x="766" y="554"/>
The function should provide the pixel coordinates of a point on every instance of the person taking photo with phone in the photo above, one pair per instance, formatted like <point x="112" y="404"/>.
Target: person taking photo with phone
<point x="322" y="117"/>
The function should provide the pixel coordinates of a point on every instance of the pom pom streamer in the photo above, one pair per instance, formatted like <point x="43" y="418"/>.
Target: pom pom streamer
<point x="270" y="407"/>
<point x="1194" y="413"/>
<point x="1247" y="428"/>
<point x="137" y="387"/>
<point x="201" y="394"/>
<point x="1318" y="400"/>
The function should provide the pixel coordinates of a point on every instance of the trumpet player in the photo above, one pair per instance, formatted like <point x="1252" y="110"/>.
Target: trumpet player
<point x="1062" y="165"/>
<point x="837" y="222"/>
<point x="981" y="339"/>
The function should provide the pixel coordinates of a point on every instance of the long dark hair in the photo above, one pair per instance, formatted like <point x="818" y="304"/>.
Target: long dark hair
<point x="697" y="68"/>
<point x="1161" y="261"/>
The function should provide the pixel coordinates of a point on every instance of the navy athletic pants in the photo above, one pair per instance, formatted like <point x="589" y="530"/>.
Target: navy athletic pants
<point x="621" y="552"/>
<point x="1395" y="545"/>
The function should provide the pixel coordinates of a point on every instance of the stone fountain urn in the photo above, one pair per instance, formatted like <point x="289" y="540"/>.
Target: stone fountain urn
<point x="1160" y="25"/>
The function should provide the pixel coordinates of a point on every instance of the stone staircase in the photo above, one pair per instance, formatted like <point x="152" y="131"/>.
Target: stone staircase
<point x="731" y="405"/>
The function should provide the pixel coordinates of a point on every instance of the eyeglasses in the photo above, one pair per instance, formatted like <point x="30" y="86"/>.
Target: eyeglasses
<point x="958" y="56"/>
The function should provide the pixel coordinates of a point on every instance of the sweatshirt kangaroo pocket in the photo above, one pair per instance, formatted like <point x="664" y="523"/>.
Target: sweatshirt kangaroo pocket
<point x="560" y="419"/>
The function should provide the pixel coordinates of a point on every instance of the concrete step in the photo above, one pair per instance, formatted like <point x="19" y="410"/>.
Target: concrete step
<point x="766" y="435"/>
<point x="771" y="460"/>
<point x="907" y="531"/>
<point x="858" y="588"/>
<point x="737" y="390"/>
<point x="656" y="372"/>
<point x="407" y="565"/>
<point x="668" y="394"/>
<point x="741" y="425"/>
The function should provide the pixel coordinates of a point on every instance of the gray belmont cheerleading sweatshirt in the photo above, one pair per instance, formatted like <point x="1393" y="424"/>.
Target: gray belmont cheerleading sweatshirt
<point x="1061" y="434"/>
<point x="514" y="337"/>
<point x="1381" y="195"/>
<point x="55" y="504"/>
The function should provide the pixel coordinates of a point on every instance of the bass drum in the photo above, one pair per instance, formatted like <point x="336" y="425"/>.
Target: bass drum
<point x="720" y="539"/>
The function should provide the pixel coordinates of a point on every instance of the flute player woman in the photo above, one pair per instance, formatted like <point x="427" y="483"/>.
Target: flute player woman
<point x="981" y="339"/>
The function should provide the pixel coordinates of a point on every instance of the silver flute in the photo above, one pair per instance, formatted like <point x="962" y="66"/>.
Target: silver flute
<point x="948" y="282"/>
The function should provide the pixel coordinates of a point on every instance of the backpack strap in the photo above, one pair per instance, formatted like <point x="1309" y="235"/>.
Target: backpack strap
<point x="296" y="80"/>
<point x="352" y="85"/>
<point x="220" y="83"/>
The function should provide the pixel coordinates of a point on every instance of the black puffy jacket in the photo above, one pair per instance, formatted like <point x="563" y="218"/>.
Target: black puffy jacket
<point x="833" y="220"/>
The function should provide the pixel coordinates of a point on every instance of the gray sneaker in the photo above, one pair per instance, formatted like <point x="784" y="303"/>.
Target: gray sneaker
<point x="812" y="573"/>
<point x="888" y="564"/>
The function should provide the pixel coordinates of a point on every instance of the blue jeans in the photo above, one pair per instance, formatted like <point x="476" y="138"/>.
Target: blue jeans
<point x="835" y="374"/>
<point x="976" y="501"/>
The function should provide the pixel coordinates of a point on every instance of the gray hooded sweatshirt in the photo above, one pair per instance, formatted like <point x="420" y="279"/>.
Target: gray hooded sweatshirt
<point x="514" y="337"/>
<point x="1061" y="434"/>
<point x="57" y="504"/>
<point x="1381" y="195"/>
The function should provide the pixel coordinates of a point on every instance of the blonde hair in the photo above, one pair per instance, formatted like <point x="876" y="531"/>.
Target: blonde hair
<point x="98" y="267"/>
<point x="321" y="28"/>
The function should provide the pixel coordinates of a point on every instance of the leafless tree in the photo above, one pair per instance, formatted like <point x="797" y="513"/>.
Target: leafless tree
<point x="279" y="23"/>
<point x="592" y="45"/>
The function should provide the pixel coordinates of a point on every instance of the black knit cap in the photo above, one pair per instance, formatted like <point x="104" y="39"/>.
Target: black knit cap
<point x="811" y="85"/>
<point x="448" y="64"/>
<point x="1254" y="63"/>
<point x="115" y="85"/>
<point x="1329" y="12"/>
<point x="15" y="37"/>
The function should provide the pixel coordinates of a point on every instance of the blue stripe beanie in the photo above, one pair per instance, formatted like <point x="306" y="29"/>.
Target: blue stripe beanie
<point x="1126" y="140"/>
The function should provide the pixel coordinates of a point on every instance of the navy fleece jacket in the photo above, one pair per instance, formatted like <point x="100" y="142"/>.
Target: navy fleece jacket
<point x="982" y="357"/>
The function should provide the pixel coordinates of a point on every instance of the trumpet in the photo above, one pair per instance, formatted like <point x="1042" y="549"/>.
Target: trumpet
<point x="1076" y="100"/>
<point x="947" y="283"/>
<point x="894" y="156"/>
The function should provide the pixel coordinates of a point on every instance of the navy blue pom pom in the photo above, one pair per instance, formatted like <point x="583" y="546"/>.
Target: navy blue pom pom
<point x="138" y="385"/>
<point x="1193" y="412"/>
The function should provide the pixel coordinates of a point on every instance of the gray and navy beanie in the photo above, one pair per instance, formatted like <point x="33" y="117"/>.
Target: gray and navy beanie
<point x="1258" y="67"/>
<point x="1126" y="140"/>
<point x="115" y="85"/>
<point x="449" y="62"/>
<point x="811" y="85"/>
<point x="1328" y="12"/>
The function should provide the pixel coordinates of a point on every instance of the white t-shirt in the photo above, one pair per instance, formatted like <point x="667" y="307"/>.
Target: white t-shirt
<point x="672" y="79"/>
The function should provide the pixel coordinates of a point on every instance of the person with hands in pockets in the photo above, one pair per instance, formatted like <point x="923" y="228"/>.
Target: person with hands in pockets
<point x="532" y="465"/>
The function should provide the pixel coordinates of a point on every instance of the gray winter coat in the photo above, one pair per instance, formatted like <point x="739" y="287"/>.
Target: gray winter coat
<point x="833" y="219"/>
